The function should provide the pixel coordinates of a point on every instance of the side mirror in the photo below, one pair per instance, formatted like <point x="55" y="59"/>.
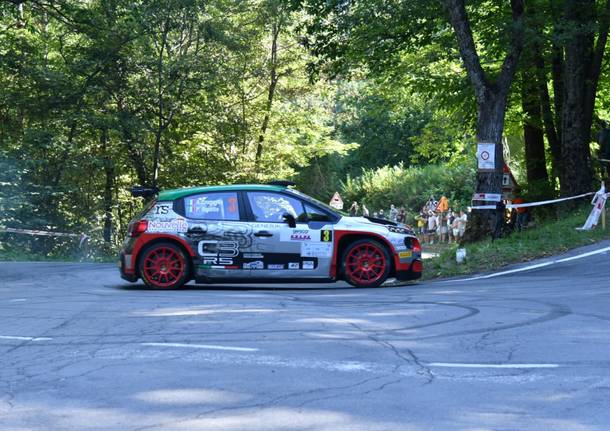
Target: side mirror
<point x="289" y="218"/>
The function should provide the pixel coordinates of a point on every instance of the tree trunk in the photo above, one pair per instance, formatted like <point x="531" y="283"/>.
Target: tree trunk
<point x="273" y="79"/>
<point x="490" y="125"/>
<point x="576" y="175"/>
<point x="535" y="157"/>
<point x="109" y="173"/>
<point x="491" y="104"/>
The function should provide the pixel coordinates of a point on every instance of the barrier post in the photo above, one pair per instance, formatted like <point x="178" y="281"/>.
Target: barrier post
<point x="604" y="210"/>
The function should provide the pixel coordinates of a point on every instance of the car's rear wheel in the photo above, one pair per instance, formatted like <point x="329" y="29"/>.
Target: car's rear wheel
<point x="366" y="263"/>
<point x="164" y="266"/>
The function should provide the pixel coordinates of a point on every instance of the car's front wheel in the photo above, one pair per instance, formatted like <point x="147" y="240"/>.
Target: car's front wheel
<point x="366" y="263"/>
<point x="164" y="265"/>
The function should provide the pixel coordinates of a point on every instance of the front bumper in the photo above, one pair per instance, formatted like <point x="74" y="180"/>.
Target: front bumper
<point x="413" y="273"/>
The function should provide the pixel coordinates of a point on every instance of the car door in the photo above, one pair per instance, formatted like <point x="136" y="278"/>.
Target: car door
<point x="303" y="250"/>
<point x="218" y="234"/>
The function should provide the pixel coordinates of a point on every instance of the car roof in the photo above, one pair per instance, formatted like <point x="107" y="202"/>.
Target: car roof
<point x="170" y="195"/>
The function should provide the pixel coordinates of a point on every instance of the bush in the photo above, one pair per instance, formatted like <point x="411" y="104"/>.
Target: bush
<point x="411" y="187"/>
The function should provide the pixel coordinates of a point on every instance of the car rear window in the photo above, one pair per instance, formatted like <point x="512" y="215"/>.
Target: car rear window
<point x="212" y="206"/>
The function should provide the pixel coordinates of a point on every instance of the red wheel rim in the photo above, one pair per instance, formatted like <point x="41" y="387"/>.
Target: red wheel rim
<point x="365" y="264"/>
<point x="163" y="266"/>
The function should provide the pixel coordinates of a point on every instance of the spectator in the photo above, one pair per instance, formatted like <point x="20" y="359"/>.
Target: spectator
<point x="381" y="214"/>
<point x="443" y="229"/>
<point x="450" y="220"/>
<point x="432" y="226"/>
<point x="462" y="220"/>
<point x="421" y="223"/>
<point x="393" y="213"/>
<point x="375" y="215"/>
<point x="455" y="227"/>
<point x="353" y="210"/>
<point x="431" y="205"/>
<point x="365" y="210"/>
<point x="522" y="214"/>
<point x="402" y="216"/>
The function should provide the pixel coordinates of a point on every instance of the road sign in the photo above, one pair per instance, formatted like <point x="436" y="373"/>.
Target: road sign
<point x="486" y="156"/>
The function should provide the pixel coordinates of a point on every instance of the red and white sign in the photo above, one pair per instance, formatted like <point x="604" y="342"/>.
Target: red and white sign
<point x="486" y="156"/>
<point x="491" y="197"/>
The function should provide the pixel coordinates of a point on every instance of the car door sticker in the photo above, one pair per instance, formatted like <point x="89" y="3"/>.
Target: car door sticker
<point x="215" y="252"/>
<point x="316" y="249"/>
<point x="296" y="235"/>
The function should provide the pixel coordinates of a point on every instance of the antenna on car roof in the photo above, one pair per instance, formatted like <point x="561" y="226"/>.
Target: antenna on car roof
<point x="282" y="183"/>
<point x="143" y="192"/>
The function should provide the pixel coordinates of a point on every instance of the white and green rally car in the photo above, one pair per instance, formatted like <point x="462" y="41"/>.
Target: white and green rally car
<point x="261" y="234"/>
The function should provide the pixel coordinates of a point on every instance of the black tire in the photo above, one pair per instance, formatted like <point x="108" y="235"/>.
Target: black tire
<point x="366" y="263"/>
<point x="164" y="265"/>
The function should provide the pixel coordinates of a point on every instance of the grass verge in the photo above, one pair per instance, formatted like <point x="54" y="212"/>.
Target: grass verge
<point x="546" y="239"/>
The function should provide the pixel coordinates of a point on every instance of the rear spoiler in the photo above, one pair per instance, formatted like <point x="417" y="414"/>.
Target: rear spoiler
<point x="144" y="192"/>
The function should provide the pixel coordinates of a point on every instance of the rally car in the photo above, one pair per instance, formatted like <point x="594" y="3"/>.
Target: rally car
<point x="260" y="233"/>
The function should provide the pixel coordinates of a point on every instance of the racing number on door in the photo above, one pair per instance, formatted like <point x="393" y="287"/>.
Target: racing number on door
<point x="326" y="235"/>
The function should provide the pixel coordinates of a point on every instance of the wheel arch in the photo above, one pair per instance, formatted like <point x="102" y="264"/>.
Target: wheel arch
<point x="159" y="238"/>
<point x="344" y="239"/>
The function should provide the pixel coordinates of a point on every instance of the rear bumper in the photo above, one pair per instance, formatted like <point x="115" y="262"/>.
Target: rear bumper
<point x="125" y="275"/>
<point x="413" y="273"/>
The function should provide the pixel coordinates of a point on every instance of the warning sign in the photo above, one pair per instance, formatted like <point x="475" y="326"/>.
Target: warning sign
<point x="336" y="201"/>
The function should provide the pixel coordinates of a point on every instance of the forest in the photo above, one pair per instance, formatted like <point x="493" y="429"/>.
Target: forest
<point x="381" y="100"/>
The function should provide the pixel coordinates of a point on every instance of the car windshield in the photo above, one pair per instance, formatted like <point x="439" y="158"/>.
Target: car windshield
<point x="317" y="202"/>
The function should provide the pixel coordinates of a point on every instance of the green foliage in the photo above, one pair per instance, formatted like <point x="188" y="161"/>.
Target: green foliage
<point x="549" y="237"/>
<point x="411" y="187"/>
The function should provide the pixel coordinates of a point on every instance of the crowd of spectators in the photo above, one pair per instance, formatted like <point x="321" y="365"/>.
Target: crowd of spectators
<point x="436" y="222"/>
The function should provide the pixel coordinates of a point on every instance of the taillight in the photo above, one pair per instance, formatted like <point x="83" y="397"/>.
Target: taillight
<point x="138" y="228"/>
<point x="416" y="246"/>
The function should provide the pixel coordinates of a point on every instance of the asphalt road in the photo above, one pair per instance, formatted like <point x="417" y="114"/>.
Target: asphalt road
<point x="80" y="349"/>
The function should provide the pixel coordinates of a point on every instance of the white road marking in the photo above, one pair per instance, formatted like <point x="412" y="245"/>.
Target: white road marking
<point x="15" y="337"/>
<point x="18" y="300"/>
<point x="459" y="365"/>
<point x="530" y="267"/>
<point x="202" y="346"/>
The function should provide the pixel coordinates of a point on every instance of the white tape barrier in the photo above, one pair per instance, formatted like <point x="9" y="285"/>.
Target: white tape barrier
<point x="532" y="204"/>
<point x="83" y="237"/>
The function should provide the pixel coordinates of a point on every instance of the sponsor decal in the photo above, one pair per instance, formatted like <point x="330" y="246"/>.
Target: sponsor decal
<point x="326" y="235"/>
<point x="308" y="264"/>
<point x="295" y="235"/>
<point x="294" y="265"/>
<point x="275" y="266"/>
<point x="258" y="264"/>
<point x="253" y="256"/>
<point x="405" y="254"/>
<point x="323" y="249"/>
<point x="218" y="252"/>
<point x="176" y="225"/>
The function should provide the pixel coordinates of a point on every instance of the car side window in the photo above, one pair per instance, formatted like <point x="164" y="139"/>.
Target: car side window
<point x="315" y="214"/>
<point x="270" y="207"/>
<point x="212" y="206"/>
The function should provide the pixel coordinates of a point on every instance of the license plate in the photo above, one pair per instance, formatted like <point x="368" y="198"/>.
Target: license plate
<point x="405" y="254"/>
